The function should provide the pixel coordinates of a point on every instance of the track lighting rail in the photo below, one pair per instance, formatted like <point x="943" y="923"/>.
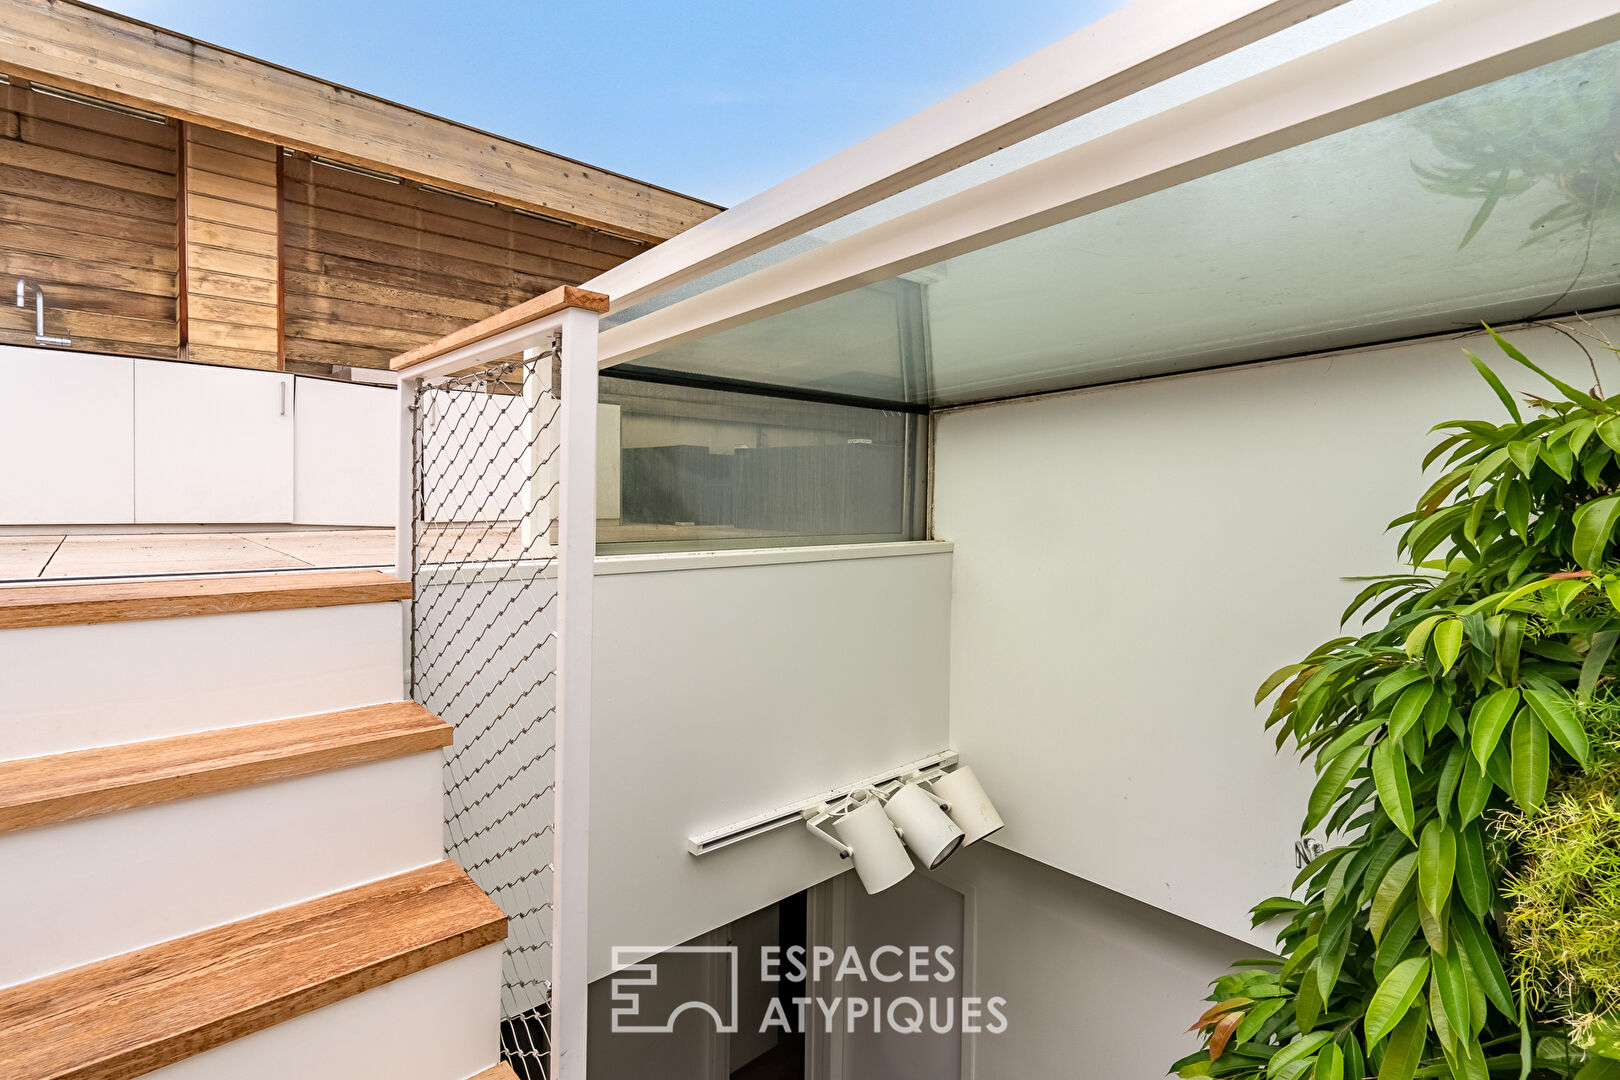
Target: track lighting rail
<point x="793" y="814"/>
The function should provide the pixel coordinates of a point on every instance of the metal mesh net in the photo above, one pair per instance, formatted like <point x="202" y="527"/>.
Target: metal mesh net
<point x="484" y="651"/>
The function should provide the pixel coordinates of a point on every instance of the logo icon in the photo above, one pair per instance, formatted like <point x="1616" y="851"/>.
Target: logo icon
<point x="632" y="979"/>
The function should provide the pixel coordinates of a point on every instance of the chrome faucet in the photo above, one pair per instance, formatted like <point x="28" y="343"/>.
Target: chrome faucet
<point x="40" y="337"/>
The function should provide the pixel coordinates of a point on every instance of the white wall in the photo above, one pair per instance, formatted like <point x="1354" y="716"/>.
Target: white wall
<point x="1132" y="561"/>
<point x="722" y="693"/>
<point x="1096" y="985"/>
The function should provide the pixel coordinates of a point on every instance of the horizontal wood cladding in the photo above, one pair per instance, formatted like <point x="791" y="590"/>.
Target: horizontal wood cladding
<point x="373" y="269"/>
<point x="232" y="250"/>
<point x="107" y="55"/>
<point x="89" y="210"/>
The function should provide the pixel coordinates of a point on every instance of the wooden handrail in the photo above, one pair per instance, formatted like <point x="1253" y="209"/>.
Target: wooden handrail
<point x="565" y="296"/>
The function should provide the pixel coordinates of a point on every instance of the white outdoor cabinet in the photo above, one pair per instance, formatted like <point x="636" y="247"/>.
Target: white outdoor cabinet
<point x="212" y="444"/>
<point x="346" y="453"/>
<point x="66" y="438"/>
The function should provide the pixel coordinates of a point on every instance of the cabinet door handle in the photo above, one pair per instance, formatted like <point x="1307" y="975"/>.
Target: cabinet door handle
<point x="283" y="399"/>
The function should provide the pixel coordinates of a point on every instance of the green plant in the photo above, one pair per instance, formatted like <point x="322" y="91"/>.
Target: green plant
<point x="1565" y="897"/>
<point x="1483" y="686"/>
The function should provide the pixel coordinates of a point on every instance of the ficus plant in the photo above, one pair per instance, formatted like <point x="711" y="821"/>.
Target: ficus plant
<point x="1439" y="740"/>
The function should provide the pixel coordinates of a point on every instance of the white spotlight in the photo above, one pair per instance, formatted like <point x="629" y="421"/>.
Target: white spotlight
<point x="969" y="806"/>
<point x="930" y="835"/>
<point x="868" y="836"/>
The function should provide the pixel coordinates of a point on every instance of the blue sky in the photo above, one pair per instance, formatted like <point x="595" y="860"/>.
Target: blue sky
<point x="716" y="98"/>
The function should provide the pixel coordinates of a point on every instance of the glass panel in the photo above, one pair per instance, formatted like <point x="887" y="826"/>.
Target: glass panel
<point x="706" y="467"/>
<point x="1495" y="204"/>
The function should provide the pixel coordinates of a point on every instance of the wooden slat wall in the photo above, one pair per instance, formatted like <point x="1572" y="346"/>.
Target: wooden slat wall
<point x="232" y="250"/>
<point x="373" y="269"/>
<point x="89" y="210"/>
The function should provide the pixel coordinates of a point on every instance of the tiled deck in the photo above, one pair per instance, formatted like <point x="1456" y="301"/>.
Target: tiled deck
<point x="121" y="554"/>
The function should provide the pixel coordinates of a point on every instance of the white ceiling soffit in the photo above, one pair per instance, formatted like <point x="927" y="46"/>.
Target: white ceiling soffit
<point x="1143" y="43"/>
<point x="1436" y="51"/>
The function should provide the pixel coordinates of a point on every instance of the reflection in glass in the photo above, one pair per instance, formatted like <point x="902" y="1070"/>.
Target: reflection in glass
<point x="701" y="466"/>
<point x="1347" y="240"/>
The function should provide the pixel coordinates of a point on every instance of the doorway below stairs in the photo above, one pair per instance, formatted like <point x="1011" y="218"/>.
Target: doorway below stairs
<point x="792" y="1020"/>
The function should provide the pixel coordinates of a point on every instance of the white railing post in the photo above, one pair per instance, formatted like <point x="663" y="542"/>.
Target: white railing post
<point x="405" y="515"/>
<point x="577" y="549"/>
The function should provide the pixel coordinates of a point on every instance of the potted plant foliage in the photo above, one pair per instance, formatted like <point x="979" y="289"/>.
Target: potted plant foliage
<point x="1465" y="920"/>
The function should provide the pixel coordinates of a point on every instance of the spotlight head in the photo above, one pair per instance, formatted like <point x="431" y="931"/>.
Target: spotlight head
<point x="880" y="858"/>
<point x="970" y="807"/>
<point x="930" y="835"/>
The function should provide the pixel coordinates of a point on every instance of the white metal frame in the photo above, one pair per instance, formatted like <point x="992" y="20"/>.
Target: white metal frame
<point x="1144" y="43"/>
<point x="576" y="548"/>
<point x="1442" y="49"/>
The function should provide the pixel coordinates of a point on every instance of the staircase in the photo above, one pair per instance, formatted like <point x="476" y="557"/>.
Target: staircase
<point x="221" y="850"/>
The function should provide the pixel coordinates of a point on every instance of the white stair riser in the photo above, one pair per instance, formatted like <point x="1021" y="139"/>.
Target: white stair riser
<point x="85" y="890"/>
<point x="441" y="1023"/>
<point x="75" y="687"/>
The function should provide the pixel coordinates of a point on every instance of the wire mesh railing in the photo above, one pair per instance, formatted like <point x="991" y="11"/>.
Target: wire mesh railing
<point x="484" y="649"/>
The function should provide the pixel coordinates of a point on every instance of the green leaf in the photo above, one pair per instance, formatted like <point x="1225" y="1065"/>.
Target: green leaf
<point x="1525" y="590"/>
<point x="1529" y="749"/>
<point x="1594" y="524"/>
<point x="1488" y="719"/>
<point x="1599" y="1068"/>
<point x="1609" y="432"/>
<point x="1276" y="679"/>
<point x="1396" y="681"/>
<point x="1501" y="393"/>
<point x="1330" y="1063"/>
<point x="1394" y="997"/>
<point x="1419" y="637"/>
<point x="1559" y="458"/>
<point x="1448" y="983"/>
<point x="1483" y="961"/>
<point x="1556" y="710"/>
<point x="1473" y="792"/>
<point x="1408" y="708"/>
<point x="1433" y="924"/>
<point x="1569" y="391"/>
<point x="1446" y="1027"/>
<point x="1448" y="638"/>
<point x="1450" y="774"/>
<point x="1394" y="787"/>
<point x="1332" y="784"/>
<point x="1349" y="738"/>
<point x="1597" y="655"/>
<point x="1467" y="1062"/>
<point x="1524" y="453"/>
<point x="1473" y="875"/>
<point x="1405" y="1050"/>
<point x="1395" y="885"/>
<point x="1437" y="864"/>
<point x="1256" y="1018"/>
<point x="1300" y="1048"/>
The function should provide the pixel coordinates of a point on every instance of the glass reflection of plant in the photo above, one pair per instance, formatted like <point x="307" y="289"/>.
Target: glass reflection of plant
<point x="1504" y="140"/>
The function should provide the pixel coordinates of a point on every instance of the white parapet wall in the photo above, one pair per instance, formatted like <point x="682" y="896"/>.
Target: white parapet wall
<point x="1132" y="561"/>
<point x="731" y="683"/>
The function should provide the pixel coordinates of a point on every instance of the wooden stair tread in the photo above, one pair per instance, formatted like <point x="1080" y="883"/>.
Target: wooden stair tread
<point x="130" y="1014"/>
<point x="81" y="783"/>
<point x="503" y="1071"/>
<point x="121" y="601"/>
